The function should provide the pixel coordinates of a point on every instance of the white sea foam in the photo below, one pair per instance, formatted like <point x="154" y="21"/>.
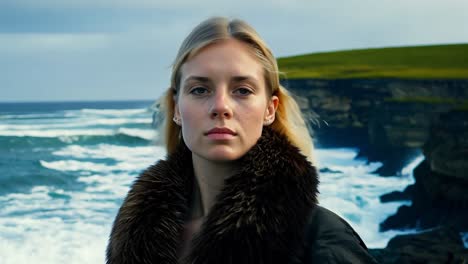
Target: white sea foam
<point x="73" y="165"/>
<point x="337" y="157"/>
<point x="114" y="112"/>
<point x="464" y="237"/>
<point x="69" y="125"/>
<point x="116" y="184"/>
<point x="120" y="153"/>
<point x="57" y="133"/>
<point x="147" y="134"/>
<point x="354" y="193"/>
<point x="36" y="228"/>
<point x="78" y="123"/>
<point x="52" y="241"/>
<point x="31" y="116"/>
<point x="408" y="169"/>
<point x="52" y="225"/>
<point x="127" y="158"/>
<point x="86" y="112"/>
<point x="118" y="121"/>
<point x="337" y="153"/>
<point x="70" y="135"/>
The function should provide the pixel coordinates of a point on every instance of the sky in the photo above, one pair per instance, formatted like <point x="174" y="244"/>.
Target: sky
<point x="72" y="50"/>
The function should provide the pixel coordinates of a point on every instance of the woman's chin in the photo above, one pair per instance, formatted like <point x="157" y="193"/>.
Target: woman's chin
<point x="222" y="154"/>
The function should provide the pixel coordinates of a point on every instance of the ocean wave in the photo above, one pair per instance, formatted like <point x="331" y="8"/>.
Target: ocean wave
<point x="114" y="112"/>
<point x="73" y="165"/>
<point x="49" y="201"/>
<point x="115" y="138"/>
<point x="31" y="116"/>
<point x="147" y="134"/>
<point x="126" y="158"/>
<point x="341" y="156"/>
<point x="136" y="154"/>
<point x="24" y="240"/>
<point x="57" y="132"/>
<point x="354" y="193"/>
<point x="116" y="184"/>
<point x="118" y="121"/>
<point x="75" y="225"/>
<point x="70" y="135"/>
<point x="37" y="220"/>
<point x="78" y="123"/>
<point x="50" y="143"/>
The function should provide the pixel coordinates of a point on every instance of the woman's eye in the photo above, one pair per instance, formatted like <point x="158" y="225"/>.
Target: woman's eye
<point x="243" y="91"/>
<point x="199" y="91"/>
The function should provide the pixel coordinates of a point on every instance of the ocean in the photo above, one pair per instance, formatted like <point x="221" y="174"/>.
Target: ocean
<point x="66" y="167"/>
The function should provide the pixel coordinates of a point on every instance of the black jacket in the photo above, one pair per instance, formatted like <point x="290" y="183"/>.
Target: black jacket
<point x="267" y="213"/>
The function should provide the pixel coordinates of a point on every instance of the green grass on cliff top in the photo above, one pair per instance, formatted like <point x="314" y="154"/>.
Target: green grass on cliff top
<point x="418" y="62"/>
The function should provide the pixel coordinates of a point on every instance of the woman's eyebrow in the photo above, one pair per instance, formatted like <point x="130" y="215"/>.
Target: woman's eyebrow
<point x="197" y="78"/>
<point x="234" y="78"/>
<point x="244" y="78"/>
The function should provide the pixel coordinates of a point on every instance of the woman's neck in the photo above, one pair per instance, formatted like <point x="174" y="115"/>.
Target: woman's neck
<point x="210" y="176"/>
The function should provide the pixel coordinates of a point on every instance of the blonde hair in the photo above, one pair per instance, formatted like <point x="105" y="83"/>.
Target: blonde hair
<point x="288" y="118"/>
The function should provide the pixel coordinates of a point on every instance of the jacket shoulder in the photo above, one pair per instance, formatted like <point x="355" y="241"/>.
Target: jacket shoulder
<point x="331" y="239"/>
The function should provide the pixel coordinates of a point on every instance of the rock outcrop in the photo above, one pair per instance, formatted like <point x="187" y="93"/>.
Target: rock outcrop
<point x="440" y="193"/>
<point x="388" y="119"/>
<point x="440" y="245"/>
<point x="392" y="121"/>
<point x="390" y="112"/>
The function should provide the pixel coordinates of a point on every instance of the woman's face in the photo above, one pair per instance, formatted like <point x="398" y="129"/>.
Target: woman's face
<point x="223" y="101"/>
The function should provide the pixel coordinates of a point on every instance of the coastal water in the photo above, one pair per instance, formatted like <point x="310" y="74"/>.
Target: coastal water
<point x="66" y="167"/>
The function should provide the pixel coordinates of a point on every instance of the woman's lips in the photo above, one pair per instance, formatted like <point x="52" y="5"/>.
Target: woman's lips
<point x="220" y="133"/>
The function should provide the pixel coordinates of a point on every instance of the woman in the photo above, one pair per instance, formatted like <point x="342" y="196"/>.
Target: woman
<point x="237" y="185"/>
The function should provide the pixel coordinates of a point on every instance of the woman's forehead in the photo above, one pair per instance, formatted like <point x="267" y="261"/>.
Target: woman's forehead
<point x="231" y="58"/>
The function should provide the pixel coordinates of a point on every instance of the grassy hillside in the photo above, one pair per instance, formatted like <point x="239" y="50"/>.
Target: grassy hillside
<point x="419" y="62"/>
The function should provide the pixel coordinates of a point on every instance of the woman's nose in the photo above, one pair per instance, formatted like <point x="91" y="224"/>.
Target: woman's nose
<point x="221" y="106"/>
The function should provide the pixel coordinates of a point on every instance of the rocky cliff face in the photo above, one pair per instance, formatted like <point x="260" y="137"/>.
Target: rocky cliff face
<point x="440" y="193"/>
<point x="399" y="110"/>
<point x="440" y="245"/>
<point x="391" y="120"/>
<point x="439" y="199"/>
<point x="388" y="119"/>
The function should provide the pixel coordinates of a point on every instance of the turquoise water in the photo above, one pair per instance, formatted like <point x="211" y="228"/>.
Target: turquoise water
<point x="66" y="167"/>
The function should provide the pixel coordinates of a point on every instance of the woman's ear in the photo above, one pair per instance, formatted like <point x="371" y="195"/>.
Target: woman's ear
<point x="176" y="111"/>
<point x="176" y="118"/>
<point x="271" y="110"/>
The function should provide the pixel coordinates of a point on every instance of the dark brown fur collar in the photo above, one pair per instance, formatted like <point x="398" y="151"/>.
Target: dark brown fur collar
<point x="259" y="217"/>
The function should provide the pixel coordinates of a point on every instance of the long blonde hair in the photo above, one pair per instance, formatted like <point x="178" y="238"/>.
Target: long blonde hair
<point x="288" y="118"/>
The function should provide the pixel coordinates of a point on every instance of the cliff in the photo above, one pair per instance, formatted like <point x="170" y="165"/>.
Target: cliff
<point x="392" y="120"/>
<point x="388" y="119"/>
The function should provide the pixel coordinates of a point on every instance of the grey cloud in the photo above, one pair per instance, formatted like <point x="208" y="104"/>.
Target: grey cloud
<point x="130" y="56"/>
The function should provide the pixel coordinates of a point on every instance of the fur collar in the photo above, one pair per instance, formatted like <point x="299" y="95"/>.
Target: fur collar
<point x="260" y="215"/>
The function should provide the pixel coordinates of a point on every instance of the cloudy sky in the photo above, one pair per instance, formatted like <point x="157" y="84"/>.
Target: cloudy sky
<point x="54" y="50"/>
